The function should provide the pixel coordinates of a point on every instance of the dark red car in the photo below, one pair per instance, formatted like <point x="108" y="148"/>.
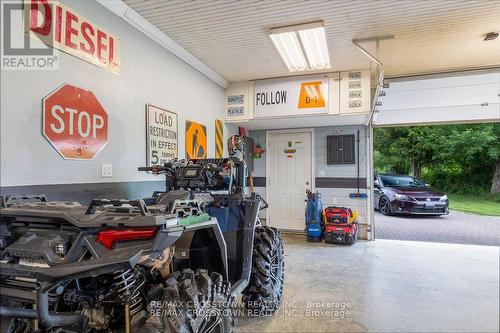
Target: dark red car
<point x="403" y="194"/>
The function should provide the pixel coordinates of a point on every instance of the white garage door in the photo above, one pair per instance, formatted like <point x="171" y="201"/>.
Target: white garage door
<point x="466" y="98"/>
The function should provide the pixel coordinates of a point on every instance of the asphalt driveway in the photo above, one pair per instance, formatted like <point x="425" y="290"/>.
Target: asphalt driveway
<point x="457" y="227"/>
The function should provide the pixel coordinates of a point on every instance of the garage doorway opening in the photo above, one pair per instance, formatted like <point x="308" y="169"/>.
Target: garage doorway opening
<point x="424" y="172"/>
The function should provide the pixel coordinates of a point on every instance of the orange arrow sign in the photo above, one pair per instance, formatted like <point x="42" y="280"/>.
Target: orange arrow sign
<point x="311" y="95"/>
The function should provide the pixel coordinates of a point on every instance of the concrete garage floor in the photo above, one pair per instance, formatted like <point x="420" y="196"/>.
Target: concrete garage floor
<point x="457" y="227"/>
<point x="385" y="286"/>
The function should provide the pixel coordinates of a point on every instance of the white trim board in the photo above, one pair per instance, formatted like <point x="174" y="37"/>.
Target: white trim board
<point x="122" y="10"/>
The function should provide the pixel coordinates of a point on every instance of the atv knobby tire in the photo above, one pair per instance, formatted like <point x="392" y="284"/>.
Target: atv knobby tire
<point x="193" y="302"/>
<point x="263" y="294"/>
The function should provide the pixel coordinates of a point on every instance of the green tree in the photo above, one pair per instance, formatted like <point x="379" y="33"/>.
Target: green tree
<point x="455" y="157"/>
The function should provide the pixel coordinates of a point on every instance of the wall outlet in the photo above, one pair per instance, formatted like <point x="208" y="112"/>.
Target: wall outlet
<point x="106" y="170"/>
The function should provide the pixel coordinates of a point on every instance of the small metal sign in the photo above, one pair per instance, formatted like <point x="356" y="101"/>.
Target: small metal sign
<point x="235" y="99"/>
<point x="355" y="94"/>
<point x="355" y="85"/>
<point x="354" y="75"/>
<point x="233" y="111"/>
<point x="355" y="104"/>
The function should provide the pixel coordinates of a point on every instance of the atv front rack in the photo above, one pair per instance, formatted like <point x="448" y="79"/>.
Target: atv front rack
<point x="6" y="201"/>
<point x="96" y="203"/>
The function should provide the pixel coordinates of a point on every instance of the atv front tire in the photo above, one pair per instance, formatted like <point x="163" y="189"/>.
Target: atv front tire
<point x="263" y="294"/>
<point x="193" y="302"/>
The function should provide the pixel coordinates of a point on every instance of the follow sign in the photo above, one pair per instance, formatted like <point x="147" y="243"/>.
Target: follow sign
<point x="290" y="97"/>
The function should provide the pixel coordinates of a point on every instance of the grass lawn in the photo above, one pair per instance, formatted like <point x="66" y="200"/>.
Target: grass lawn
<point x="477" y="204"/>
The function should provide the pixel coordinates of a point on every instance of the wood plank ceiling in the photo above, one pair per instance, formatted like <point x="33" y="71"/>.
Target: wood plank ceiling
<point x="430" y="36"/>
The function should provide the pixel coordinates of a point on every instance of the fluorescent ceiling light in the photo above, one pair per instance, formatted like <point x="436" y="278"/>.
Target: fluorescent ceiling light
<point x="302" y="47"/>
<point x="314" y="41"/>
<point x="290" y="51"/>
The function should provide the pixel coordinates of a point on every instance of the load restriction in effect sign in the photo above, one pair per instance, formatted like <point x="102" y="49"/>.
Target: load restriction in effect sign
<point x="75" y="123"/>
<point x="161" y="136"/>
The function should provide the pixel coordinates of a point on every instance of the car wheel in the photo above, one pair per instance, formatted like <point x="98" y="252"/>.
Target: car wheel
<point x="384" y="206"/>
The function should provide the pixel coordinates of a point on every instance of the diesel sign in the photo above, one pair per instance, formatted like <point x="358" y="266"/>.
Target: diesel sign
<point x="61" y="27"/>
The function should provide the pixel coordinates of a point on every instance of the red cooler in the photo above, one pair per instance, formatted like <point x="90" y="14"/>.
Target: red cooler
<point x="340" y="225"/>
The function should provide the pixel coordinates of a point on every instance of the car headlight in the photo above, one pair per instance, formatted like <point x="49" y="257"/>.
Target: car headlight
<point x="444" y="198"/>
<point x="402" y="197"/>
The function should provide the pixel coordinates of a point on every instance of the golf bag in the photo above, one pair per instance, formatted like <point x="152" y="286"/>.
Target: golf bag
<point x="314" y="211"/>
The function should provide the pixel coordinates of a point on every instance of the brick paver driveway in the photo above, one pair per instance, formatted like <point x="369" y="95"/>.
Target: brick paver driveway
<point x="457" y="227"/>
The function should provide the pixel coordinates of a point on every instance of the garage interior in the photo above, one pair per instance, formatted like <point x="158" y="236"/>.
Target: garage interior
<point x="216" y="63"/>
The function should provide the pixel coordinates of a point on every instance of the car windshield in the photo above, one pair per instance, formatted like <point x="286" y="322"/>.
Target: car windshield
<point x="401" y="181"/>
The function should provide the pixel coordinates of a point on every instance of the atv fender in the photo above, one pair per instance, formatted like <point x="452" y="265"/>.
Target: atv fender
<point x="202" y="245"/>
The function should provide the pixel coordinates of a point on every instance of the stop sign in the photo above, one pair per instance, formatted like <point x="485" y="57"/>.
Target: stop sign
<point x="75" y="123"/>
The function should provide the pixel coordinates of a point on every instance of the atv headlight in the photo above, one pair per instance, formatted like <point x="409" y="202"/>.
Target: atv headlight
<point x="444" y="198"/>
<point x="60" y="248"/>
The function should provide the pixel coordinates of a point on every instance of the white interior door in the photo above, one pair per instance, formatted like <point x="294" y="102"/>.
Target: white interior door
<point x="289" y="174"/>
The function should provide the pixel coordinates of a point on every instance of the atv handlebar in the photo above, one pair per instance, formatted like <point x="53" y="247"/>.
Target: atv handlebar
<point x="156" y="169"/>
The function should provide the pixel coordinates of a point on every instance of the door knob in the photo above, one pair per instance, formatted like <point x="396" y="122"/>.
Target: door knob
<point x="307" y="183"/>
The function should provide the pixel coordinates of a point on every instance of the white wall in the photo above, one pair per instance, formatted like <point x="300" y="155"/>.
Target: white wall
<point x="148" y="74"/>
<point x="340" y="196"/>
<point x="330" y="196"/>
<point x="323" y="169"/>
